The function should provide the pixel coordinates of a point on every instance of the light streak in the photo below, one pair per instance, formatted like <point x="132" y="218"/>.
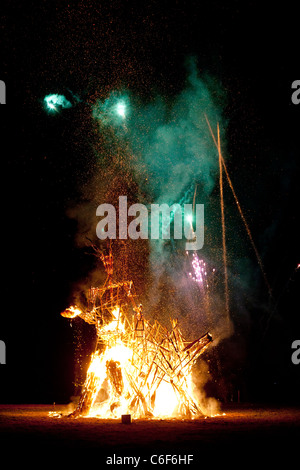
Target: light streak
<point x="217" y="144"/>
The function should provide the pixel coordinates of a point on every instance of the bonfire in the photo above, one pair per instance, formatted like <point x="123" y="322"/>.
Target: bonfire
<point x="143" y="369"/>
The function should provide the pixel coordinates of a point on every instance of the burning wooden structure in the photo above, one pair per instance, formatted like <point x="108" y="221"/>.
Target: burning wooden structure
<point x="143" y="369"/>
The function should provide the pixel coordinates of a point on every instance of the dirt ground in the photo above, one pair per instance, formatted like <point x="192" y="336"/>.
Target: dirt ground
<point x="239" y="435"/>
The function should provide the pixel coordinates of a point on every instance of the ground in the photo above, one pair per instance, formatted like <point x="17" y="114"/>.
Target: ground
<point x="239" y="435"/>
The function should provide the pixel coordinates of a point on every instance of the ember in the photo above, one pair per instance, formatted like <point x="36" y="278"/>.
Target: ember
<point x="145" y="369"/>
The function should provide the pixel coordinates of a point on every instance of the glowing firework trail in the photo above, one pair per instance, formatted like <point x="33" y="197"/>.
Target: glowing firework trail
<point x="248" y="231"/>
<point x="223" y="228"/>
<point x="194" y="199"/>
<point x="240" y="210"/>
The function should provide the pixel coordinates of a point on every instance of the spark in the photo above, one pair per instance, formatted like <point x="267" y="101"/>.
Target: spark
<point x="200" y="272"/>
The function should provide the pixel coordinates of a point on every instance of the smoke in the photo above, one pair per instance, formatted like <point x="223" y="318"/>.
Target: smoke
<point x="175" y="152"/>
<point x="171" y="140"/>
<point x="159" y="150"/>
<point x="209" y="406"/>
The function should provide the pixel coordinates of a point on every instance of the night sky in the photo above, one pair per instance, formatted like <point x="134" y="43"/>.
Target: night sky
<point x="52" y="164"/>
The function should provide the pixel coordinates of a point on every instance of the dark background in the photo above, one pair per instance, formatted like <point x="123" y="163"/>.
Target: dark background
<point x="90" y="48"/>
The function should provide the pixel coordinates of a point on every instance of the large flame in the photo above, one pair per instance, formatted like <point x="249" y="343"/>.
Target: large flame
<point x="141" y="369"/>
<point x="166" y="401"/>
<point x="137" y="368"/>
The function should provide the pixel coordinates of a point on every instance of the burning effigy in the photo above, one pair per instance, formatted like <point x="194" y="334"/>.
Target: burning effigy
<point x="143" y="369"/>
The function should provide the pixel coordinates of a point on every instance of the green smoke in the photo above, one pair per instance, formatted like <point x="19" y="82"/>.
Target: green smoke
<point x="168" y="136"/>
<point x="165" y="150"/>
